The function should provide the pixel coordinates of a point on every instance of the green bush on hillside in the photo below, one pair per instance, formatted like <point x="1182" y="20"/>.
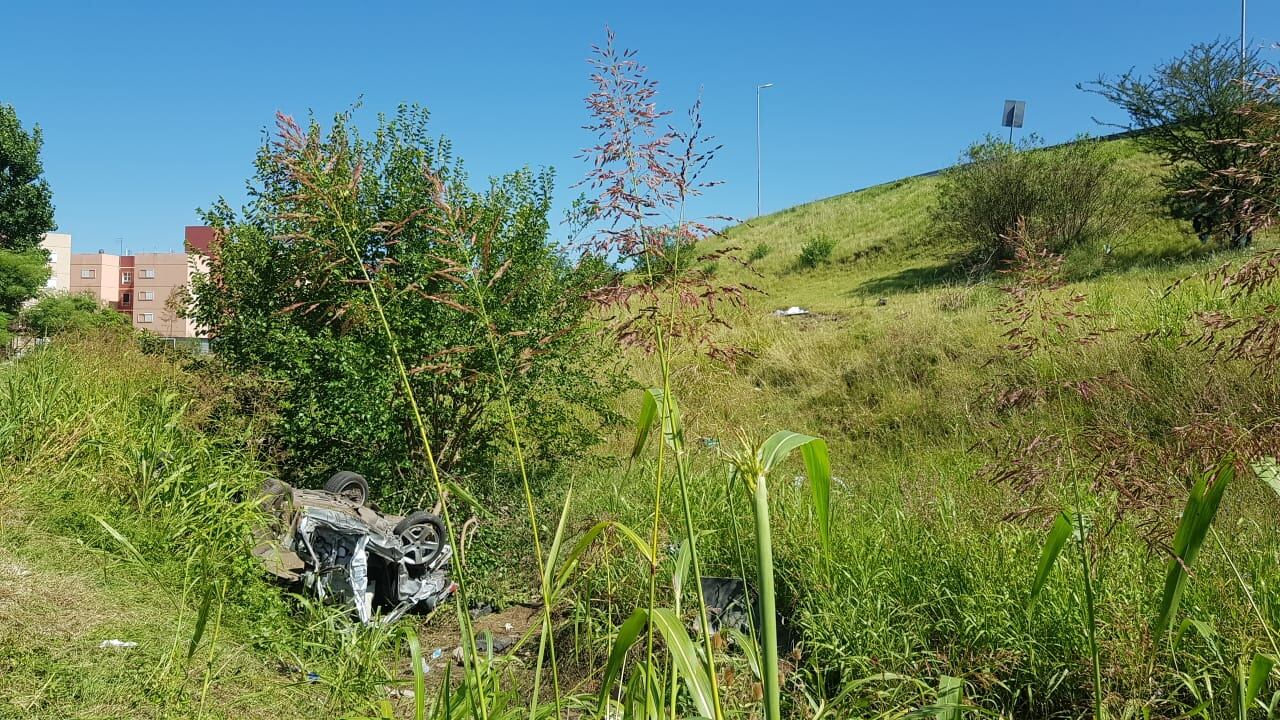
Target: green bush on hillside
<point x="816" y="251"/>
<point x="1066" y="195"/>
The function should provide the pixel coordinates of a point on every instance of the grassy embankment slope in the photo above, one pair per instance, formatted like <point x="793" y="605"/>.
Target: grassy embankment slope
<point x="900" y="366"/>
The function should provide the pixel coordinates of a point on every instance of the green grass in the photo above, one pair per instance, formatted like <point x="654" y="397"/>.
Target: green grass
<point x="932" y="560"/>
<point x="94" y="433"/>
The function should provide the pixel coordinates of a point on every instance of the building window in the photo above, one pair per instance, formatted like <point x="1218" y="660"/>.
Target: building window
<point x="126" y="277"/>
<point x="146" y="295"/>
<point x="126" y="299"/>
<point x="52" y="282"/>
<point x="87" y="273"/>
<point x="53" y="257"/>
<point x="146" y="317"/>
<point x="146" y="273"/>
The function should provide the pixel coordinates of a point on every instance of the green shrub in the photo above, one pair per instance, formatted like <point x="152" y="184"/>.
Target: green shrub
<point x="1189" y="111"/>
<point x="283" y="299"/>
<point x="1066" y="195"/>
<point x="59" y="313"/>
<point x="759" y="252"/>
<point x="816" y="251"/>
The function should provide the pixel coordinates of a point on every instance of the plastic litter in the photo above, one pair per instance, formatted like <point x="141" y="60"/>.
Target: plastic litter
<point x="793" y="310"/>
<point x="117" y="644"/>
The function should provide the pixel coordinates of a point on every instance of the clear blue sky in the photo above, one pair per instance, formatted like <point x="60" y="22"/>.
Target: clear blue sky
<point x="153" y="109"/>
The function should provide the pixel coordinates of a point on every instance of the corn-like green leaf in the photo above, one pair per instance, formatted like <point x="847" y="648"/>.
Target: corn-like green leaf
<point x="1197" y="516"/>
<point x="575" y="553"/>
<point x="627" y="634"/>
<point x="681" y="571"/>
<point x="1205" y="630"/>
<point x="817" y="465"/>
<point x="750" y="651"/>
<point x="685" y="658"/>
<point x="640" y="543"/>
<point x="461" y="493"/>
<point x="1259" y="671"/>
<point x="1053" y="544"/>
<point x="950" y="698"/>
<point x="654" y="403"/>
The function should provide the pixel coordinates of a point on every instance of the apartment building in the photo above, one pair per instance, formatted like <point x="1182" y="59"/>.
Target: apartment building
<point x="143" y="286"/>
<point x="58" y="245"/>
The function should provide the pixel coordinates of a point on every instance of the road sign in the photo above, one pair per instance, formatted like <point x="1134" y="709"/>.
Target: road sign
<point x="1013" y="112"/>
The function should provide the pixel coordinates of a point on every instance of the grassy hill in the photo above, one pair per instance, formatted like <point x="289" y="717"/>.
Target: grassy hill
<point x="954" y="453"/>
<point x="951" y="456"/>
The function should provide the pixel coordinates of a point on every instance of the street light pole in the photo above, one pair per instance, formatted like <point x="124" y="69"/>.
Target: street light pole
<point x="1244" y="7"/>
<point x="758" y="165"/>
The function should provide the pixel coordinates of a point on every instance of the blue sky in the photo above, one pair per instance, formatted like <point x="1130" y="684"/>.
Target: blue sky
<point x="151" y="110"/>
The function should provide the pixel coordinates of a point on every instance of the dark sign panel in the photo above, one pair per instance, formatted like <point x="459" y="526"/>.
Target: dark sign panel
<point x="1013" y="112"/>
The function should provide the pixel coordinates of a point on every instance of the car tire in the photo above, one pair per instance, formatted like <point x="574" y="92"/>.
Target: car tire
<point x="422" y="536"/>
<point x="348" y="485"/>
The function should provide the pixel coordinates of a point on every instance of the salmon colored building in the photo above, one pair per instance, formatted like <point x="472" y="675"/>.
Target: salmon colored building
<point x="145" y="286"/>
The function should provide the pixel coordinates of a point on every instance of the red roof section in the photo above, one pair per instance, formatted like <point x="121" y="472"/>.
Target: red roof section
<point x="199" y="238"/>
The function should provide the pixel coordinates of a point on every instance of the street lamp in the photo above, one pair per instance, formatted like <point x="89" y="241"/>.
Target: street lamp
<point x="758" y="89"/>
<point x="1243" y="13"/>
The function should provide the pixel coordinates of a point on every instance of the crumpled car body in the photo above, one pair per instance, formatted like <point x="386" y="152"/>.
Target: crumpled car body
<point x="331" y="543"/>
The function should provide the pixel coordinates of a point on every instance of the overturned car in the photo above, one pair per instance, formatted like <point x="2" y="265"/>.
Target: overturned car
<point x="335" y="545"/>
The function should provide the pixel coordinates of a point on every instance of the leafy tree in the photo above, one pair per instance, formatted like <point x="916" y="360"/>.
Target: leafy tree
<point x="26" y="213"/>
<point x="1252" y="185"/>
<point x="1187" y="110"/>
<point x="61" y="312"/>
<point x="476" y="295"/>
<point x="1060" y="196"/>
<point x="26" y="203"/>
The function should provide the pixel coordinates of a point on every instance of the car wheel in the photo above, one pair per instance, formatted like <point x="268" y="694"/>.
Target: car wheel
<point x="348" y="485"/>
<point x="422" y="537"/>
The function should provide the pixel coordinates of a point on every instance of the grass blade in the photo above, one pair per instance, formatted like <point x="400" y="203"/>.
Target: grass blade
<point x="202" y="619"/>
<point x="653" y="402"/>
<point x="627" y="634"/>
<point x="1259" y="671"/>
<point x="419" y="674"/>
<point x="554" y="553"/>
<point x="1053" y="544"/>
<point x="1197" y="516"/>
<point x="648" y="410"/>
<point x="685" y="657"/>
<point x="136" y="556"/>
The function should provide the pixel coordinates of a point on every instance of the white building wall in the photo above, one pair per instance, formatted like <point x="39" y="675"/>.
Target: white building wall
<point x="58" y="246"/>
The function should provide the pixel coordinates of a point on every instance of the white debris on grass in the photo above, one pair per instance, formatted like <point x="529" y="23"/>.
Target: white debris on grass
<point x="117" y="644"/>
<point x="793" y="310"/>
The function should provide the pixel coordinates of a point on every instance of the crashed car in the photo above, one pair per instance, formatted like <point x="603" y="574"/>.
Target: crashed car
<point x="336" y="546"/>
